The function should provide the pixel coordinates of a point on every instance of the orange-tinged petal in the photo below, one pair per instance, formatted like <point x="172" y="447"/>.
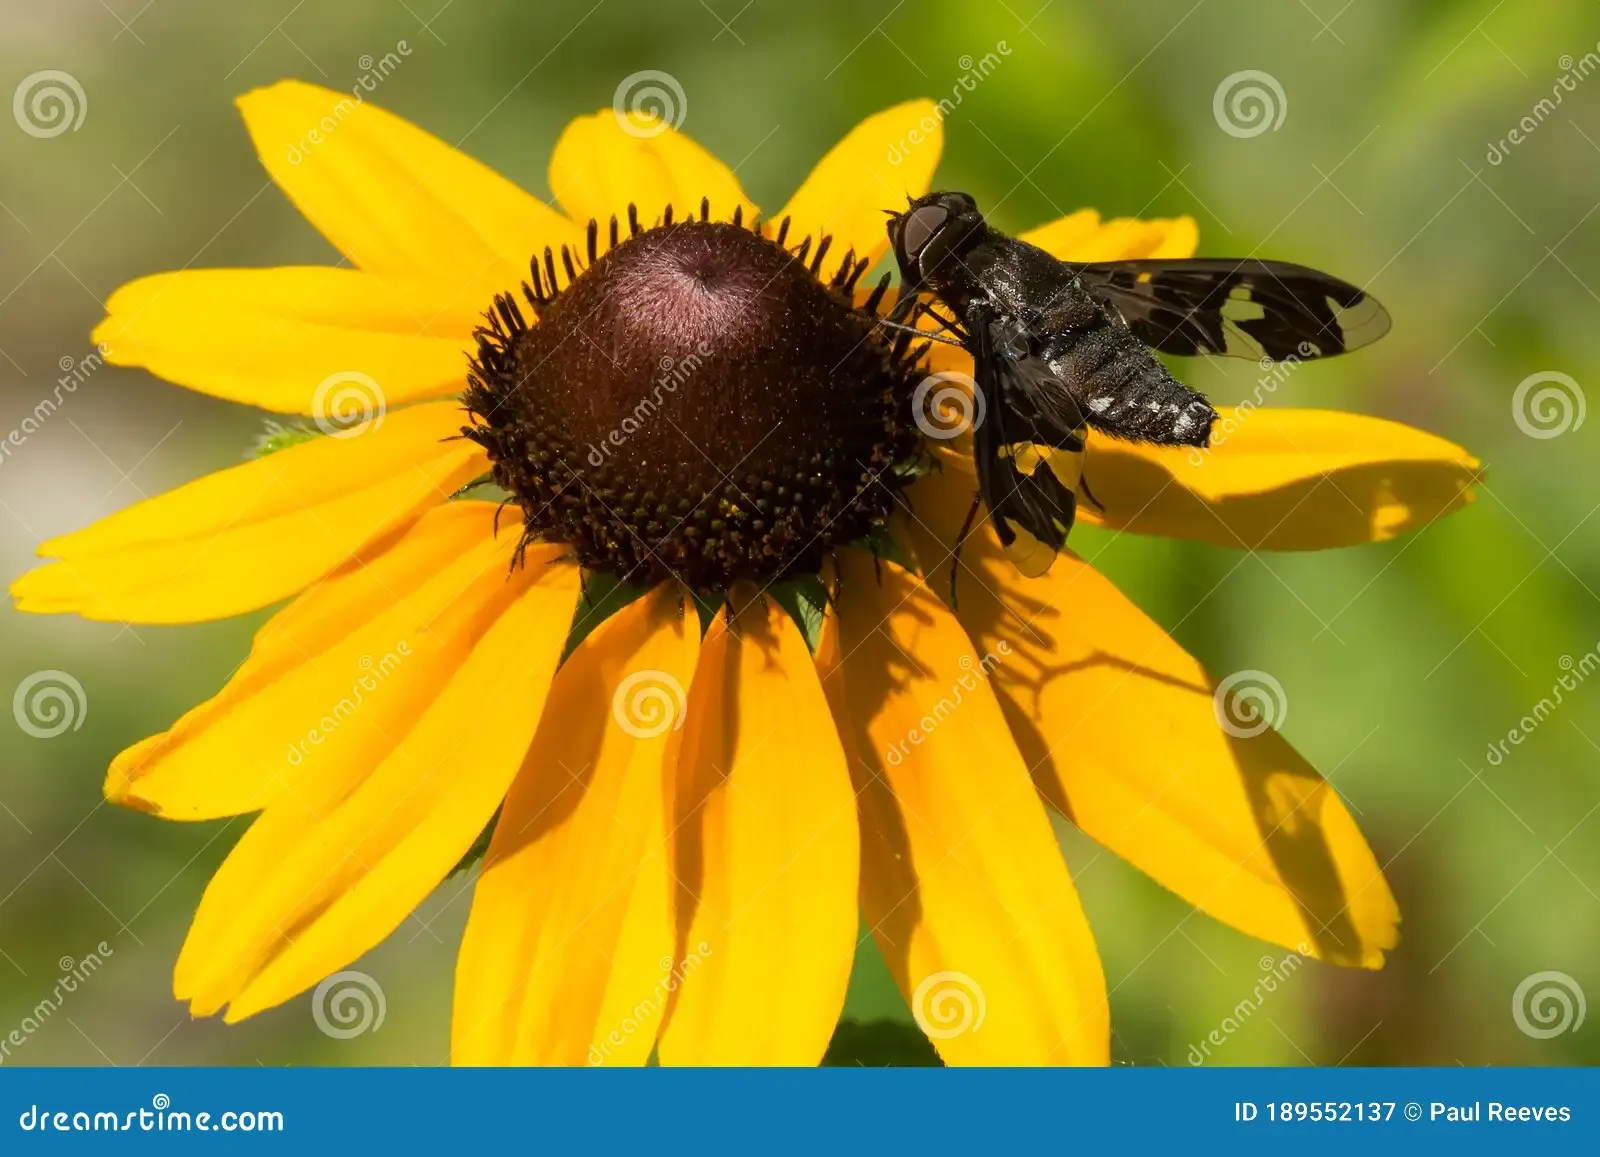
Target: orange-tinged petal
<point x="246" y="537"/>
<point x="1082" y="236"/>
<point x="327" y="872"/>
<point x="962" y="880"/>
<point x="885" y="159"/>
<point x="1282" y="480"/>
<point x="568" y="951"/>
<point x="394" y="199"/>
<point x="606" y="162"/>
<point x="290" y="339"/>
<point x="767" y="854"/>
<point x="1119" y="725"/>
<point x="330" y="681"/>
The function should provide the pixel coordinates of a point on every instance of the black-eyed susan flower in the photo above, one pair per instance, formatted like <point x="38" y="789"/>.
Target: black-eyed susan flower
<point x="699" y="804"/>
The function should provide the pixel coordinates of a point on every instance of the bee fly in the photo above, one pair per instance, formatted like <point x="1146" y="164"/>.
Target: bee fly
<point x="1059" y="347"/>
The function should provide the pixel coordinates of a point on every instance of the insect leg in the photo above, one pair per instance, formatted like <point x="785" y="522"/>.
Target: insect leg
<point x="961" y="540"/>
<point x="1083" y="484"/>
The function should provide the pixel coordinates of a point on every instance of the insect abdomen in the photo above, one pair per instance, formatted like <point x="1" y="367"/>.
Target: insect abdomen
<point x="1124" y="389"/>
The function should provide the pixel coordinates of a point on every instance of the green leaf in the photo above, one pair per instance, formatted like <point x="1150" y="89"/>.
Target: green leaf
<point x="806" y="600"/>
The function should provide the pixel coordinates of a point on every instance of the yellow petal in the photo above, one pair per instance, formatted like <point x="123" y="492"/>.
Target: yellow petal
<point x="1282" y="480"/>
<point x="767" y="855"/>
<point x="330" y="680"/>
<point x="328" y="871"/>
<point x="394" y="199"/>
<point x="962" y="880"/>
<point x="606" y="162"/>
<point x="567" y="955"/>
<point x="1120" y="727"/>
<point x="298" y="340"/>
<point x="1082" y="236"/>
<point x="885" y="159"/>
<point x="246" y="537"/>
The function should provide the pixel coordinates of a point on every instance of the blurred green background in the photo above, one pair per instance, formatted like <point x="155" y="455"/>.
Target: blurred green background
<point x="1401" y="662"/>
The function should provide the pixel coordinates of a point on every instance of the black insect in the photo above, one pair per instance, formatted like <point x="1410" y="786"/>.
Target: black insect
<point x="1059" y="347"/>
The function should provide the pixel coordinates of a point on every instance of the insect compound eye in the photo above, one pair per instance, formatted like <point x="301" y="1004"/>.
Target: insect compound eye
<point x="920" y="227"/>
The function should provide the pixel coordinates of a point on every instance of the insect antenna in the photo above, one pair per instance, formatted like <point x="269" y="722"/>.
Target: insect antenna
<point x="922" y="333"/>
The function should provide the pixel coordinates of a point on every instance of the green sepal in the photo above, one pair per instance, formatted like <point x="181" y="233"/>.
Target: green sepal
<point x="806" y="600"/>
<point x="603" y="596"/>
<point x="880" y="1044"/>
<point x="280" y="436"/>
<point x="479" y="848"/>
<point x="708" y="607"/>
<point x="880" y="543"/>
